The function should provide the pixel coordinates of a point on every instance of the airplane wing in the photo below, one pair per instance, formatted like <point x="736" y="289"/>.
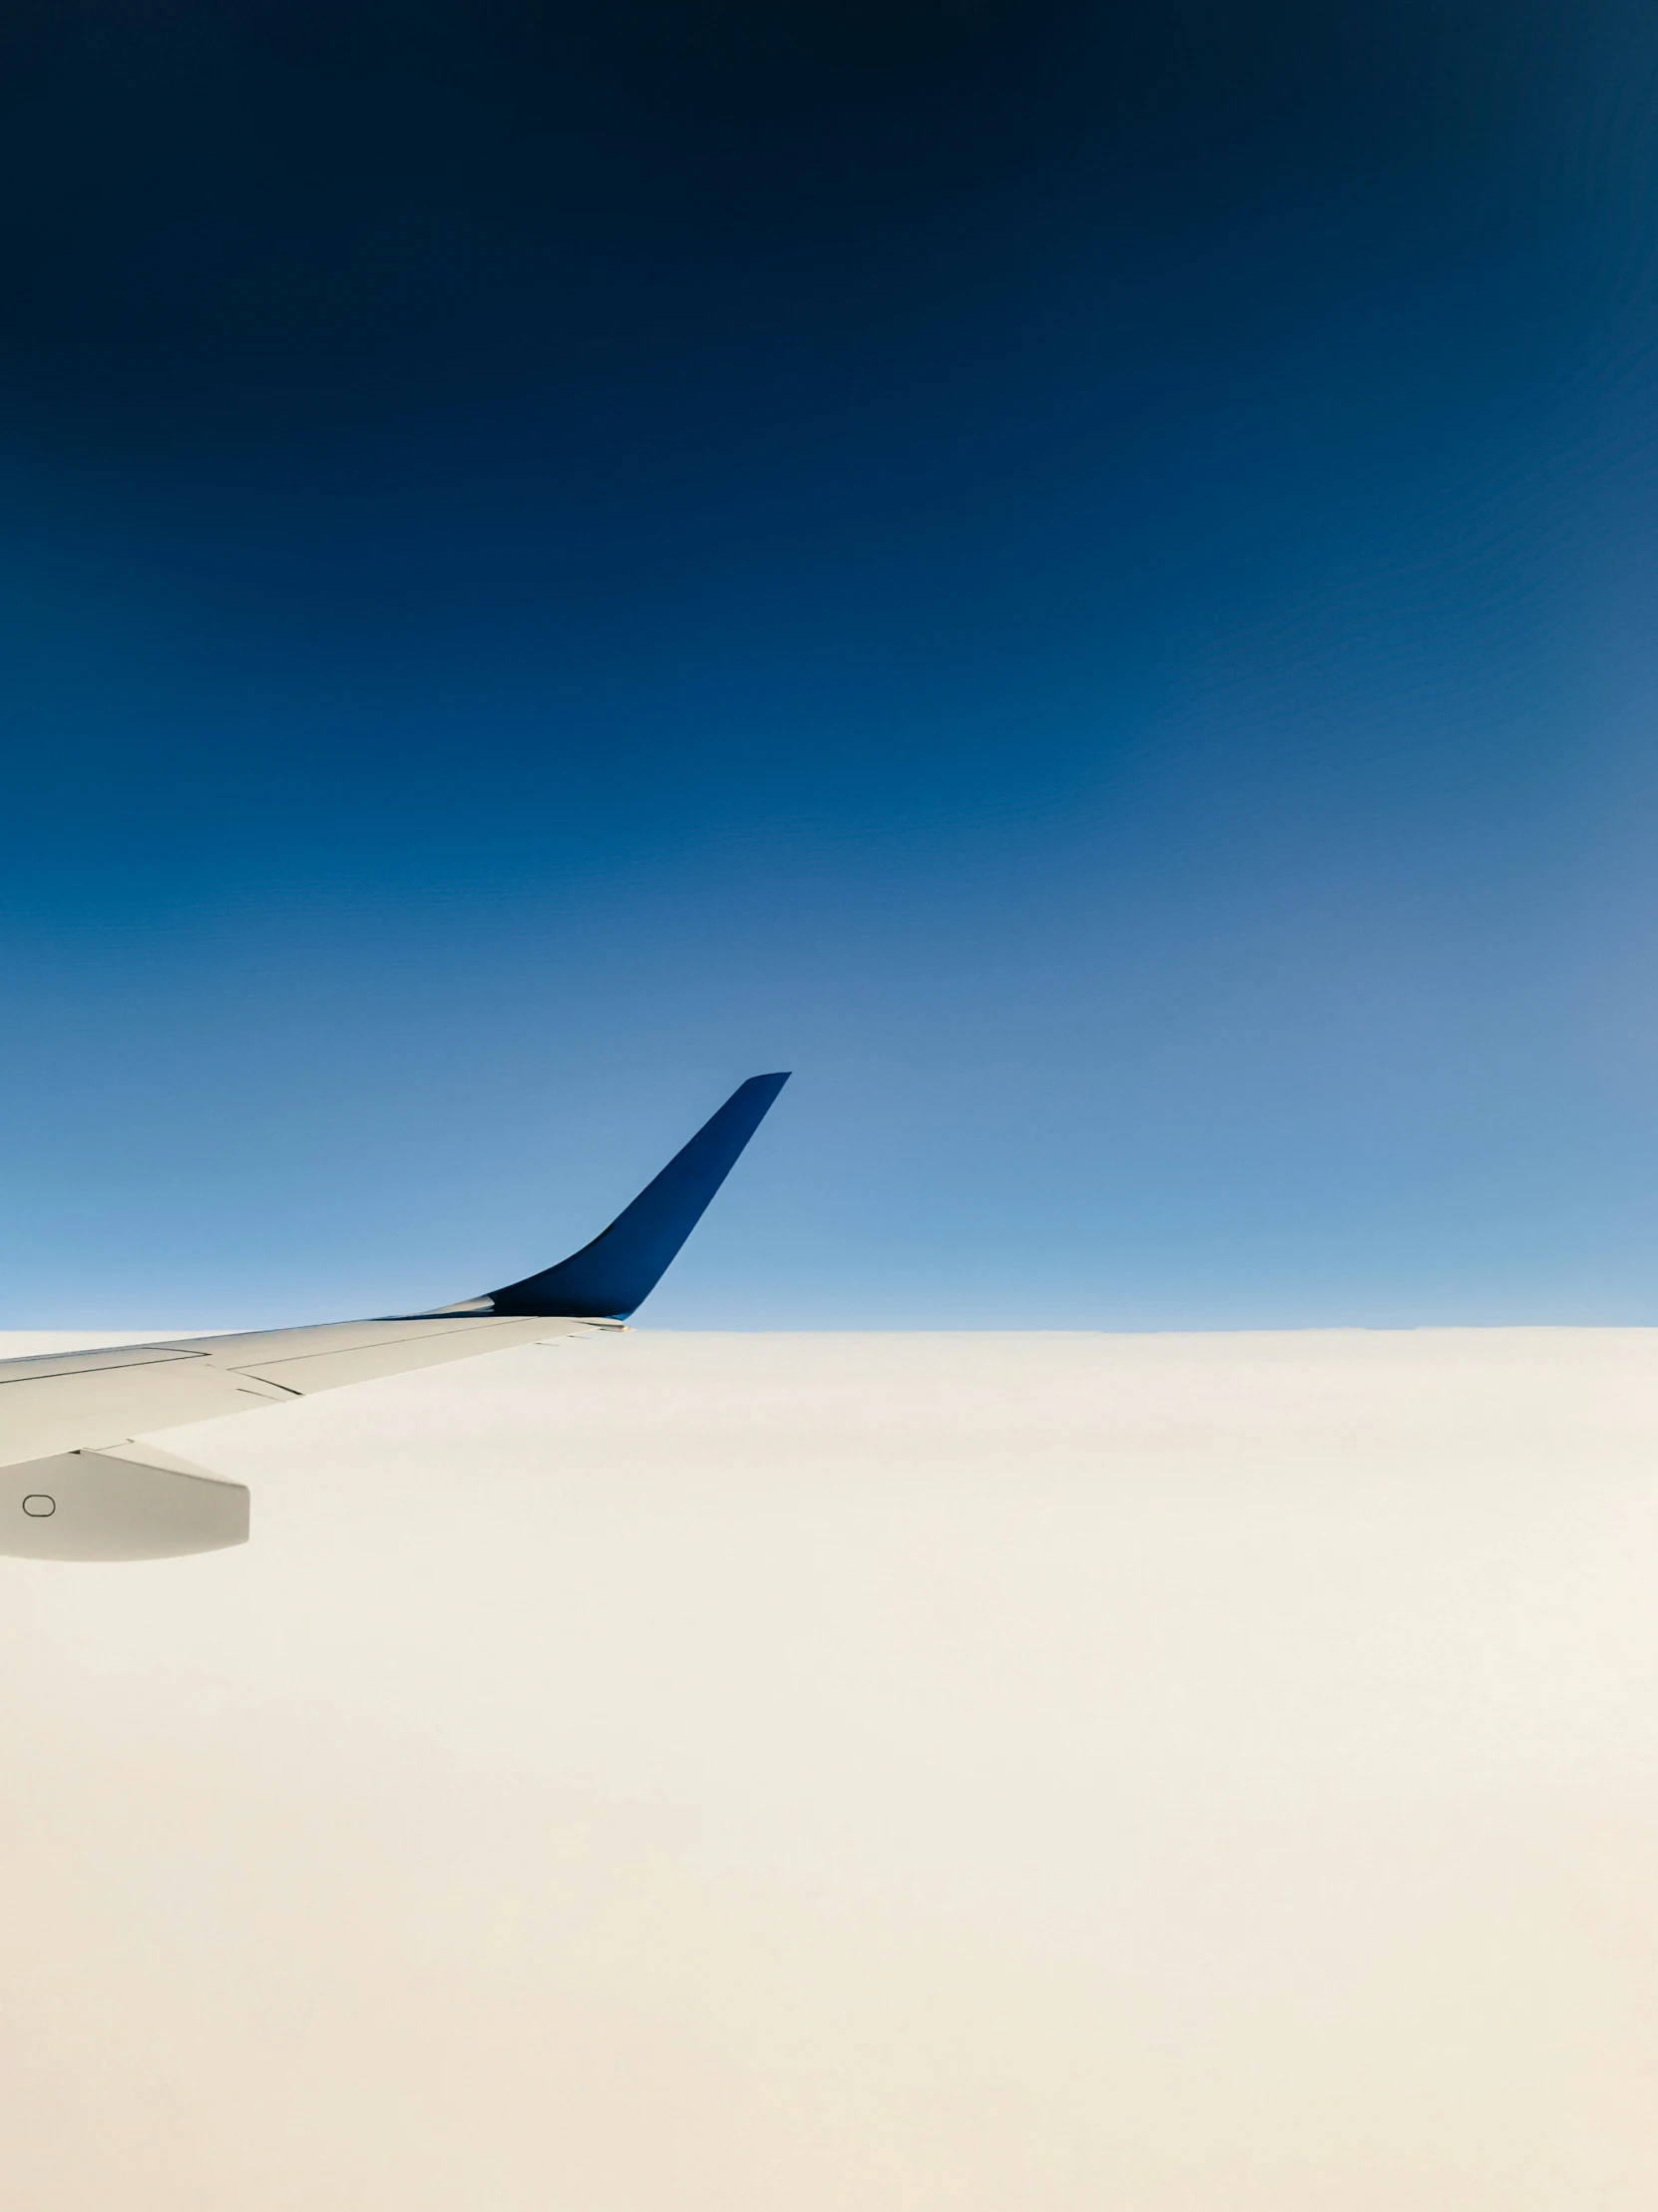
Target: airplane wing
<point x="76" y="1481"/>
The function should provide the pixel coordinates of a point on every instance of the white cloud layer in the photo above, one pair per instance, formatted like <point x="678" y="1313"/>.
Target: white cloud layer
<point x="834" y="1772"/>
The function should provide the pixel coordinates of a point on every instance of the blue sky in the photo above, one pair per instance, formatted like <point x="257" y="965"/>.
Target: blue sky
<point x="1086" y="584"/>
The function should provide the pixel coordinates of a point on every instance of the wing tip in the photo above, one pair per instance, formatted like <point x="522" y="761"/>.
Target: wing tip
<point x="618" y="1272"/>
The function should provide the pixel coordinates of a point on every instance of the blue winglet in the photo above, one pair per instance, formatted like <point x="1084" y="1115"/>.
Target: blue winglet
<point x="619" y="1268"/>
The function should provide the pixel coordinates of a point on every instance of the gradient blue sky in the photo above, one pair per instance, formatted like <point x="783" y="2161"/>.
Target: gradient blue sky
<point x="1086" y="583"/>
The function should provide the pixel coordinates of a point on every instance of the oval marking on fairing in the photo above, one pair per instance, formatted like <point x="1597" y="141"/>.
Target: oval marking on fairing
<point x="38" y="1506"/>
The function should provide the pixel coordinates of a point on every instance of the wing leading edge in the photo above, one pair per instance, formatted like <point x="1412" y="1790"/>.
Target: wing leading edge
<point x="74" y="1483"/>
